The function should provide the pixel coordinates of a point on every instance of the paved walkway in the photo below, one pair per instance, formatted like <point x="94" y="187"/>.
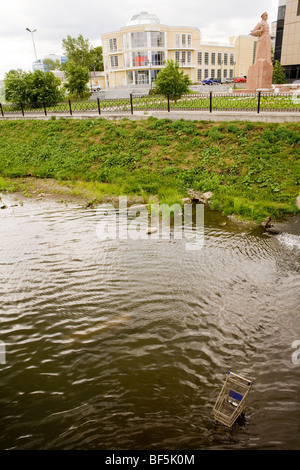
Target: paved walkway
<point x="173" y="115"/>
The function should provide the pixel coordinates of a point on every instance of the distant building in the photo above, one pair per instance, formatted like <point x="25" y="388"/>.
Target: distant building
<point x="287" y="43"/>
<point x="40" y="64"/>
<point x="135" y="54"/>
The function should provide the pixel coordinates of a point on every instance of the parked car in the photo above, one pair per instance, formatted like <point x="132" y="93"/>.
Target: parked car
<point x="240" y="80"/>
<point x="227" y="80"/>
<point x="93" y="88"/>
<point x="216" y="81"/>
<point x="207" y="81"/>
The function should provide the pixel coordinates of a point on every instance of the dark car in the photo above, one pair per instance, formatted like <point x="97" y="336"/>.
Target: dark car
<point x="207" y="81"/>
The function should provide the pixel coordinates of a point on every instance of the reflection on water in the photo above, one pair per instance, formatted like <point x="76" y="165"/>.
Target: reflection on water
<point x="124" y="344"/>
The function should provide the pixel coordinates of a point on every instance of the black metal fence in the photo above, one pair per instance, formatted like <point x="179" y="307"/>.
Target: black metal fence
<point x="210" y="102"/>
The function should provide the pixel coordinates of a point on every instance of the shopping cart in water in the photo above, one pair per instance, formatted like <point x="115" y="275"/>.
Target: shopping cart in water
<point x="232" y="399"/>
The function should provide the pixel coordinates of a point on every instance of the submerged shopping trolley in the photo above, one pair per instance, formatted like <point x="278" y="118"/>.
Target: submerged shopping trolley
<point x="232" y="399"/>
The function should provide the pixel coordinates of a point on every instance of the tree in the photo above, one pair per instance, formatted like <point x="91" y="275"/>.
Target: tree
<point x="16" y="89"/>
<point x="78" y="77"/>
<point x="96" y="59"/>
<point x="82" y="53"/>
<point x="172" y="81"/>
<point x="77" y="50"/>
<point x="32" y="87"/>
<point x="278" y="73"/>
<point x="51" y="64"/>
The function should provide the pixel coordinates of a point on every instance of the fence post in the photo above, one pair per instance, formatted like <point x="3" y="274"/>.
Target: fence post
<point x="168" y="96"/>
<point x="2" y="113"/>
<point x="22" y="109"/>
<point x="98" y="102"/>
<point x="210" y="101"/>
<point x="70" y="107"/>
<point x="45" y="110"/>
<point x="131" y="103"/>
<point x="258" y="102"/>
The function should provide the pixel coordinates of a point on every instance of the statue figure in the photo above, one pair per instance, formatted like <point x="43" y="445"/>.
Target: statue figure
<point x="262" y="31"/>
<point x="260" y="74"/>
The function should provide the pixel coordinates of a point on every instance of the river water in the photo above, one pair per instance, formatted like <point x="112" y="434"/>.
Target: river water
<point x="124" y="344"/>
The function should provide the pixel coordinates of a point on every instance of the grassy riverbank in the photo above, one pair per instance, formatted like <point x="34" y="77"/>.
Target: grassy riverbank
<point x="253" y="169"/>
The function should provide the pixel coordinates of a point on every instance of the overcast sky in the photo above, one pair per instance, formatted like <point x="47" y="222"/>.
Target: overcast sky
<point x="55" y="19"/>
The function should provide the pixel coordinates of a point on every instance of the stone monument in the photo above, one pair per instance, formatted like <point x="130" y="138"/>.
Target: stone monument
<point x="261" y="73"/>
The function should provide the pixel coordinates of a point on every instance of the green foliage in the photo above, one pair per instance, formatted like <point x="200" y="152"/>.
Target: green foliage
<point x="96" y="59"/>
<point x="253" y="169"/>
<point x="51" y="64"/>
<point x="172" y="81"/>
<point x="78" y="77"/>
<point x="79" y="51"/>
<point x="32" y="87"/>
<point x="278" y="73"/>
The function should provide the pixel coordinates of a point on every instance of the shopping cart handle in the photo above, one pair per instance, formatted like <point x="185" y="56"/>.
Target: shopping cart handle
<point x="240" y="377"/>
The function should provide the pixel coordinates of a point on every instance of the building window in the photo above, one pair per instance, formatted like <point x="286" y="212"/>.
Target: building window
<point x="126" y="60"/>
<point x="219" y="58"/>
<point x="205" y="73"/>
<point x="281" y="12"/>
<point x="225" y="58"/>
<point x="199" y="75"/>
<point x="125" y="39"/>
<point x="183" y="57"/>
<point x="186" y="40"/>
<point x="231" y="73"/>
<point x="139" y="39"/>
<point x="298" y="9"/>
<point x="130" y="77"/>
<point x="142" y="78"/>
<point x="199" y="58"/>
<point x="113" y="44"/>
<point x="231" y="59"/>
<point x="114" y="61"/>
<point x="157" y="39"/>
<point x="219" y="75"/>
<point x="213" y="73"/>
<point x="157" y="58"/>
<point x="139" y="59"/>
<point x="225" y="73"/>
<point x="213" y="58"/>
<point x="206" y="58"/>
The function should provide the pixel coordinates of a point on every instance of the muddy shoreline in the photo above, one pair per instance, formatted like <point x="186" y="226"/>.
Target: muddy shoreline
<point x="49" y="190"/>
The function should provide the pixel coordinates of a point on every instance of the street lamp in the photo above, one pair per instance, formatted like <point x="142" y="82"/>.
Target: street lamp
<point x="33" y="31"/>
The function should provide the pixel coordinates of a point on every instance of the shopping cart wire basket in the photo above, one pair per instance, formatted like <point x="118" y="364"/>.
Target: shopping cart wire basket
<point x="232" y="399"/>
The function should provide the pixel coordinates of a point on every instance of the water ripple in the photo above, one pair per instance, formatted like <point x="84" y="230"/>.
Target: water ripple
<point x="126" y="343"/>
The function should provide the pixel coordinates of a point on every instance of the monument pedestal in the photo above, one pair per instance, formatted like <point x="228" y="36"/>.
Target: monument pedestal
<point x="259" y="76"/>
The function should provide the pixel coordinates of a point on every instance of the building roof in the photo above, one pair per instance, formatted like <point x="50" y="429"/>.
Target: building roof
<point x="143" y="18"/>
